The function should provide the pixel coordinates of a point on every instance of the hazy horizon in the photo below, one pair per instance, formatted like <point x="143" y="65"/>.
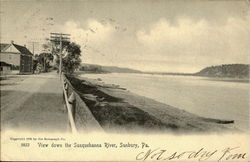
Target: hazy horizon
<point x="146" y="35"/>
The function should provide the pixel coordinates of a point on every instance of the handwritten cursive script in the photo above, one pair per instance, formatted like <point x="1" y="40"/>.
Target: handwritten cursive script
<point x="229" y="153"/>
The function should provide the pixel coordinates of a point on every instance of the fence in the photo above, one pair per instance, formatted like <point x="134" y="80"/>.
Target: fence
<point x="80" y="117"/>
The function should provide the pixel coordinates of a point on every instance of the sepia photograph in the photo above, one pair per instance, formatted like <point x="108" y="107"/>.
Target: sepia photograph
<point x="91" y="71"/>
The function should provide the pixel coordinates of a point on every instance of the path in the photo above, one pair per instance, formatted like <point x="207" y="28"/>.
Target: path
<point x="33" y="103"/>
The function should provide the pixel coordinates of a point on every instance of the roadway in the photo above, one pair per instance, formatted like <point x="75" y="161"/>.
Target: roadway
<point x="33" y="103"/>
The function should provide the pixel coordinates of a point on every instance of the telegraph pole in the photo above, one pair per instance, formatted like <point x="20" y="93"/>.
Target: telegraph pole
<point x="33" y="46"/>
<point x="60" y="64"/>
<point x="33" y="52"/>
<point x="60" y="38"/>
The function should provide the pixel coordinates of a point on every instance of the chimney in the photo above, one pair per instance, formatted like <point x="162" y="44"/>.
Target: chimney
<point x="12" y="41"/>
<point x="24" y="45"/>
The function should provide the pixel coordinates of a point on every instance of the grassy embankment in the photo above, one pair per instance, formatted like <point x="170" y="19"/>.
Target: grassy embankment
<point x="118" y="110"/>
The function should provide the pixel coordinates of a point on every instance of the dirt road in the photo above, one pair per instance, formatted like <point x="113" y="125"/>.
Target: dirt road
<point x="33" y="103"/>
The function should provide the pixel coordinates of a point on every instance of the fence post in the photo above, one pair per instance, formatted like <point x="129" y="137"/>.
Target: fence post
<point x="66" y="88"/>
<point x="72" y="102"/>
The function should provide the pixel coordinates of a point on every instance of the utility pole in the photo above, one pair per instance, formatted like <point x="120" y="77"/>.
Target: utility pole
<point x="33" y="52"/>
<point x="60" y="64"/>
<point x="60" y="38"/>
<point x="33" y="46"/>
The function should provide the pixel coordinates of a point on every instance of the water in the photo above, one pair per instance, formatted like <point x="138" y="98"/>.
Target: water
<point x="198" y="95"/>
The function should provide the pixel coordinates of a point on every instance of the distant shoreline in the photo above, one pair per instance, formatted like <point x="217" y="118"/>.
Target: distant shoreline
<point x="209" y="78"/>
<point x="227" y="72"/>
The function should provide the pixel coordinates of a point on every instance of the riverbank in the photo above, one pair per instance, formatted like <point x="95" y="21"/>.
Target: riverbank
<point x="118" y="110"/>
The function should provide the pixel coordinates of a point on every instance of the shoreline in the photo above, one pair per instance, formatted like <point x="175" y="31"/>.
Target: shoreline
<point x="208" y="78"/>
<point x="118" y="110"/>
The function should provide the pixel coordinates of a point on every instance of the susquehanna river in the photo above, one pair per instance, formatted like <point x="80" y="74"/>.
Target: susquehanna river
<point x="198" y="95"/>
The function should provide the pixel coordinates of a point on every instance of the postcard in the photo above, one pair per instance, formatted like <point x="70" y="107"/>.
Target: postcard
<point x="125" y="80"/>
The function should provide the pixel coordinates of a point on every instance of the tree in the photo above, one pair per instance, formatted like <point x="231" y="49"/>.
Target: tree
<point x="42" y="60"/>
<point x="71" y="59"/>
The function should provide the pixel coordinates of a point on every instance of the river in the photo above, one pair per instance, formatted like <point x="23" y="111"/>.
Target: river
<point x="198" y="95"/>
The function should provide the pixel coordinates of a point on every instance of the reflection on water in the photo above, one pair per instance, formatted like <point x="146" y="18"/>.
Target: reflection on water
<point x="198" y="95"/>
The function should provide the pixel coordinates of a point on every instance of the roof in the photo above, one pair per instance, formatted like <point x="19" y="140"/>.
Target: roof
<point x="4" y="46"/>
<point x="4" y="64"/>
<point x="22" y="49"/>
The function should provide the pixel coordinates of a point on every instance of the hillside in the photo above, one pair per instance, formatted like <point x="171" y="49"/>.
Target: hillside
<point x="228" y="70"/>
<point x="91" y="68"/>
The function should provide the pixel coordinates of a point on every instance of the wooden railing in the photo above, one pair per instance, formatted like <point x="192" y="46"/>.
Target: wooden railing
<point x="70" y="106"/>
<point x="79" y="115"/>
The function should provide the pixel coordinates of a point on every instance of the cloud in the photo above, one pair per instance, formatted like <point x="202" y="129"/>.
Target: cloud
<point x="185" y="46"/>
<point x="102" y="42"/>
<point x="162" y="36"/>
<point x="94" y="31"/>
<point x="197" y="42"/>
<point x="92" y="36"/>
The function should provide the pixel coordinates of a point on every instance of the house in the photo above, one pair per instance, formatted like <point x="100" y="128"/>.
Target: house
<point x="19" y="57"/>
<point x="4" y="68"/>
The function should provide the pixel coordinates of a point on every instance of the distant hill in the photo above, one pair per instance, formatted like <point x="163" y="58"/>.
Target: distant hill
<point x="223" y="71"/>
<point x="228" y="70"/>
<point x="91" y="68"/>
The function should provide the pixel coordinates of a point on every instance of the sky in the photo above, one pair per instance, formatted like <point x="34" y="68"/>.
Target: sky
<point x="147" y="35"/>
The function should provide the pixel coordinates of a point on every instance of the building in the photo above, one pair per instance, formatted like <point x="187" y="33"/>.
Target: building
<point x="19" y="57"/>
<point x="5" y="68"/>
